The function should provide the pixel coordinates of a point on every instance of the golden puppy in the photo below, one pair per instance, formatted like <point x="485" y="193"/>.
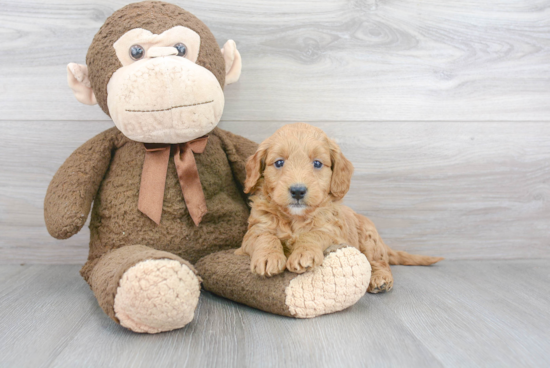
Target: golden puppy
<point x="299" y="177"/>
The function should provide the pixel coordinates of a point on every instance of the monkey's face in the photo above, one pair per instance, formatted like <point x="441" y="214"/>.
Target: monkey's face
<point x="158" y="71"/>
<point x="160" y="94"/>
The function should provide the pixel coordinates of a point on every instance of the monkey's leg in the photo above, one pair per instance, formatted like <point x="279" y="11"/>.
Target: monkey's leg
<point x="337" y="284"/>
<point x="144" y="289"/>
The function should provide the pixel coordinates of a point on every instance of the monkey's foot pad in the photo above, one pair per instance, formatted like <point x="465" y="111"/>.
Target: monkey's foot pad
<point x="337" y="284"/>
<point x="157" y="295"/>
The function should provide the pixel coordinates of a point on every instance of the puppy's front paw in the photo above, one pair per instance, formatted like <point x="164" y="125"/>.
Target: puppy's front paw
<point x="380" y="283"/>
<point x="268" y="264"/>
<point x="302" y="260"/>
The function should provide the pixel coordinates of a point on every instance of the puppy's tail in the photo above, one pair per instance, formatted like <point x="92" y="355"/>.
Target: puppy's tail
<point x="398" y="257"/>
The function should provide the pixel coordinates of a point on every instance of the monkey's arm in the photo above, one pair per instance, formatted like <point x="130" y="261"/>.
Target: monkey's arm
<point x="75" y="184"/>
<point x="238" y="149"/>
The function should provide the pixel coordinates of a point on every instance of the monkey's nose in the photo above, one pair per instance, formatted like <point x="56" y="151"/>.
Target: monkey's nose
<point x="154" y="52"/>
<point x="298" y="191"/>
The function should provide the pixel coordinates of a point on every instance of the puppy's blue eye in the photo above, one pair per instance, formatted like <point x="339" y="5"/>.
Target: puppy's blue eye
<point x="317" y="164"/>
<point x="279" y="163"/>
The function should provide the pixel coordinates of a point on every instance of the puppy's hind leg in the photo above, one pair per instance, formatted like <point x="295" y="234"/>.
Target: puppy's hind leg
<point x="381" y="279"/>
<point x="372" y="246"/>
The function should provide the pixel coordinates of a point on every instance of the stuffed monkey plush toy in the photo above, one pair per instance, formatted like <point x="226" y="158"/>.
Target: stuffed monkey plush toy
<point x="167" y="185"/>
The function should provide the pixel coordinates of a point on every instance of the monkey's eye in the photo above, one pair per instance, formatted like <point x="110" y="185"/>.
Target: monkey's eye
<point x="182" y="49"/>
<point x="136" y="52"/>
<point x="279" y="163"/>
<point x="317" y="164"/>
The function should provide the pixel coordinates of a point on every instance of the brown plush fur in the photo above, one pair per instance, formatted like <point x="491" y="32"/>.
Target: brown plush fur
<point x="107" y="171"/>
<point x="154" y="16"/>
<point x="282" y="235"/>
<point x="228" y="275"/>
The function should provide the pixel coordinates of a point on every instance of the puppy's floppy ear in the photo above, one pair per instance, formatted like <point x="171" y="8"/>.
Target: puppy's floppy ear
<point x="255" y="166"/>
<point x="342" y="170"/>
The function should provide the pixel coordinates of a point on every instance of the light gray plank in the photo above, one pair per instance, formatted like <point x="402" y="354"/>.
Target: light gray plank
<point x="211" y="339"/>
<point x="7" y="271"/>
<point x="462" y="191"/>
<point x="477" y="313"/>
<point x="230" y="335"/>
<point x="226" y="334"/>
<point x="42" y="308"/>
<point x="364" y="335"/>
<point x="455" y="314"/>
<point x="308" y="60"/>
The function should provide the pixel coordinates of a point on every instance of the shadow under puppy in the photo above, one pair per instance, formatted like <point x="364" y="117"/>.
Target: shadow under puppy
<point x="298" y="177"/>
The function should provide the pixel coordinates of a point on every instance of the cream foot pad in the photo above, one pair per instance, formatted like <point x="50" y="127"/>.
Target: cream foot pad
<point x="157" y="295"/>
<point x="337" y="284"/>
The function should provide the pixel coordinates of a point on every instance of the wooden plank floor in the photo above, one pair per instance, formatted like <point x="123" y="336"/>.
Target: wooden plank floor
<point x="455" y="314"/>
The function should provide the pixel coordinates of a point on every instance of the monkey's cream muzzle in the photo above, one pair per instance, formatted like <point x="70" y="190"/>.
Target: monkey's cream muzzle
<point x="161" y="51"/>
<point x="164" y="98"/>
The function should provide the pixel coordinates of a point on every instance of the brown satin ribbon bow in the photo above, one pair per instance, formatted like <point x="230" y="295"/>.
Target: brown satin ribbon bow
<point x="153" y="178"/>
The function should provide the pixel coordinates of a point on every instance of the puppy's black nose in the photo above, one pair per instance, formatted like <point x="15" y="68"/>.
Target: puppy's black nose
<point x="298" y="191"/>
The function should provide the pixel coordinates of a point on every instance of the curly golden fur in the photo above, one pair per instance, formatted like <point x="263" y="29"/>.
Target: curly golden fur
<point x="299" y="177"/>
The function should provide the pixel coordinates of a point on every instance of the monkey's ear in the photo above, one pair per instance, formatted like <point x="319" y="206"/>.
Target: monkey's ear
<point x="77" y="77"/>
<point x="233" y="62"/>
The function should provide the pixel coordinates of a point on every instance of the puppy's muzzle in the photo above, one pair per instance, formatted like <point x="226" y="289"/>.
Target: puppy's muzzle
<point x="298" y="191"/>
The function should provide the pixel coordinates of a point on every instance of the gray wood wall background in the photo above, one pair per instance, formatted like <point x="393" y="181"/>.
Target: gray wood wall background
<point x="443" y="107"/>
